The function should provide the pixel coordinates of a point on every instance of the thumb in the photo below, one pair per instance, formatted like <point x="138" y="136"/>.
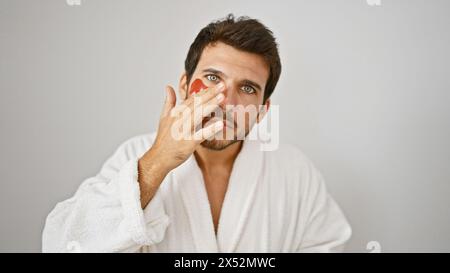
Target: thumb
<point x="170" y="101"/>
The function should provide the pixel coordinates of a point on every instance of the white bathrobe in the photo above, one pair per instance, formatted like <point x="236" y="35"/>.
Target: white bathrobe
<point x="275" y="202"/>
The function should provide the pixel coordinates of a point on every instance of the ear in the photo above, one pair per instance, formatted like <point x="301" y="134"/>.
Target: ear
<point x="264" y="109"/>
<point x="182" y="87"/>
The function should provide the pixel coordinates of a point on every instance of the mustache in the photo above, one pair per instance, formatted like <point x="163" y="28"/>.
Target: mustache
<point x="226" y="116"/>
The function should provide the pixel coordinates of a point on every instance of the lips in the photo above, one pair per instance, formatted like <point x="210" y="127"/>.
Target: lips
<point x="197" y="86"/>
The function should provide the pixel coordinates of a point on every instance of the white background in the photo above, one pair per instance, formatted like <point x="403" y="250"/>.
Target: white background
<point x="364" y="93"/>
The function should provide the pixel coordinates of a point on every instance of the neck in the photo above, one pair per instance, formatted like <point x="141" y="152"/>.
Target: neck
<point x="208" y="159"/>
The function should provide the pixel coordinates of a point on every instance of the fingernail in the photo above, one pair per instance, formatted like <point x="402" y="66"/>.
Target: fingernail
<point x="220" y="97"/>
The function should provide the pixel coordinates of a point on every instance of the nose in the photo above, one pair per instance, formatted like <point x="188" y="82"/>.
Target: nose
<point x="231" y="95"/>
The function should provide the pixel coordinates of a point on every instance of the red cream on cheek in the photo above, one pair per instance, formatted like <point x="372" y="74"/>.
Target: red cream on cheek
<point x="197" y="86"/>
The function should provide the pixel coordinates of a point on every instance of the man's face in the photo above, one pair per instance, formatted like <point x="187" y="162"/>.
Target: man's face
<point x="244" y="75"/>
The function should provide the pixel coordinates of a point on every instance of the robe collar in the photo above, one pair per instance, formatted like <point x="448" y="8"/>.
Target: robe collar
<point x="236" y="206"/>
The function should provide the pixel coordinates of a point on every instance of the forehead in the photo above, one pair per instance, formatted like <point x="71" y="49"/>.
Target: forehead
<point x="234" y="63"/>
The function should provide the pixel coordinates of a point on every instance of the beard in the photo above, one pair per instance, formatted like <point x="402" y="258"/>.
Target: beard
<point x="218" y="145"/>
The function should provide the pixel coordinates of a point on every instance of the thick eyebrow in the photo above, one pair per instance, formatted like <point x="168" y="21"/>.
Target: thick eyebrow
<point x="252" y="83"/>
<point x="213" y="71"/>
<point x="220" y="73"/>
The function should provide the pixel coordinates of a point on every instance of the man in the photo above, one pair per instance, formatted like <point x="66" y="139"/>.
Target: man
<point x="204" y="192"/>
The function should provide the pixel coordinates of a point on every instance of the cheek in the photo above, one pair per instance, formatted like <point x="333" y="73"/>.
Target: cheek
<point x="248" y="116"/>
<point x="196" y="86"/>
<point x="249" y="100"/>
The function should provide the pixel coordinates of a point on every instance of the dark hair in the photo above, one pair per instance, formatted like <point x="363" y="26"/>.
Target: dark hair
<point x="243" y="33"/>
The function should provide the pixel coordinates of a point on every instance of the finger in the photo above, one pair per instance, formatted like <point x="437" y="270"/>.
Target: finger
<point x="204" y="110"/>
<point x="170" y="101"/>
<point x="205" y="95"/>
<point x="208" y="132"/>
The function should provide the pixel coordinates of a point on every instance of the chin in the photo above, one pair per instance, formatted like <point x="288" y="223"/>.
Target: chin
<point x="218" y="145"/>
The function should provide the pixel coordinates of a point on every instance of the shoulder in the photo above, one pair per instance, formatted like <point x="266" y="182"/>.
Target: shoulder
<point x="289" y="157"/>
<point x="291" y="165"/>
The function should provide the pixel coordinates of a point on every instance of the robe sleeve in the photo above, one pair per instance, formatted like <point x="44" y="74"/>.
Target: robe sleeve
<point x="326" y="228"/>
<point x="105" y="214"/>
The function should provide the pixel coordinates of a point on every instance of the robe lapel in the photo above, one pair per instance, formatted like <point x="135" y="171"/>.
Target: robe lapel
<point x="195" y="199"/>
<point x="240" y="195"/>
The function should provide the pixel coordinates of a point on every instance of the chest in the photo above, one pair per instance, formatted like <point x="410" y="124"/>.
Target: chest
<point x="216" y="184"/>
